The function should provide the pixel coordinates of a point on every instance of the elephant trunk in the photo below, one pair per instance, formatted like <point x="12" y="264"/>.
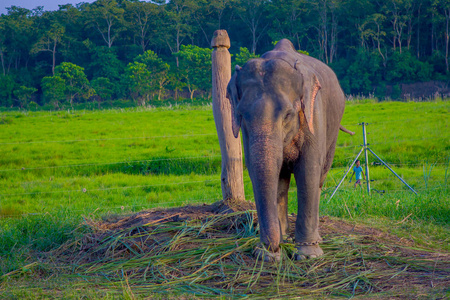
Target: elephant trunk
<point x="264" y="164"/>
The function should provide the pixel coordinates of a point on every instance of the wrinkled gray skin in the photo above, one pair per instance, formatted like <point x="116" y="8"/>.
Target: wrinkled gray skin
<point x="289" y="107"/>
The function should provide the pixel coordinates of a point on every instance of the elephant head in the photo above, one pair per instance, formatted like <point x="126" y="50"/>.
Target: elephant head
<point x="299" y="89"/>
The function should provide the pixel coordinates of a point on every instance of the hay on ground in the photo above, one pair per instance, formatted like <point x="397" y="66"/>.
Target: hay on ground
<point x="207" y="251"/>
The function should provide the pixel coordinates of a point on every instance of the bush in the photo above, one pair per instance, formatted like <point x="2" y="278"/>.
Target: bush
<point x="23" y="95"/>
<point x="359" y="76"/>
<point x="242" y="57"/>
<point x="53" y="89"/>
<point x="103" y="87"/>
<point x="76" y="83"/>
<point x="396" y="92"/>
<point x="6" y="89"/>
<point x="406" y="67"/>
<point x="380" y="91"/>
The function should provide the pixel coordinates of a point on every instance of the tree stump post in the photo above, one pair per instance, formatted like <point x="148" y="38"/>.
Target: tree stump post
<point x="230" y="147"/>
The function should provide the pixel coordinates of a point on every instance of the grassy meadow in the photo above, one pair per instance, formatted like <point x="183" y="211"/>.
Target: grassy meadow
<point x="58" y="169"/>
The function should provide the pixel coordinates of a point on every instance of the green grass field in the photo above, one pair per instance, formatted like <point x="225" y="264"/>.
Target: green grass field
<point x="59" y="168"/>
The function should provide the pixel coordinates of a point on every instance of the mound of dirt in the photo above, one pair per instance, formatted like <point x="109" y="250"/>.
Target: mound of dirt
<point x="153" y="217"/>
<point x="175" y="214"/>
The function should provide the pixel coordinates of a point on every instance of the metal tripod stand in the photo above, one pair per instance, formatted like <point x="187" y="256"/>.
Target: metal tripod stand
<point x="366" y="148"/>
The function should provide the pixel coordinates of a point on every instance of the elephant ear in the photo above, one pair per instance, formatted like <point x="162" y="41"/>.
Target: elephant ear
<point x="233" y="96"/>
<point x="311" y="87"/>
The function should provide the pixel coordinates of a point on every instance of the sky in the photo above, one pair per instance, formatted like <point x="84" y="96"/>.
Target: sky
<point x="30" y="4"/>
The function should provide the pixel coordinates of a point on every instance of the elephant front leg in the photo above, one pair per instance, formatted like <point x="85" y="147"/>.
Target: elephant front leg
<point x="282" y="200"/>
<point x="307" y="236"/>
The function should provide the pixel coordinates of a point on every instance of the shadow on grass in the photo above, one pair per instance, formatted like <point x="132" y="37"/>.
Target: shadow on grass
<point x="155" y="166"/>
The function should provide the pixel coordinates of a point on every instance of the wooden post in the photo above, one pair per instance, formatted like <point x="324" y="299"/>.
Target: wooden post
<point x="230" y="147"/>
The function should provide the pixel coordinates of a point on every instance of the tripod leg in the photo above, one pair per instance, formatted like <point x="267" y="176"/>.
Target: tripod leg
<point x="340" y="182"/>
<point x="392" y="170"/>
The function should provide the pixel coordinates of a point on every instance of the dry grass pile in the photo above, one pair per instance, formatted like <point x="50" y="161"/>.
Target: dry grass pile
<point x="207" y="251"/>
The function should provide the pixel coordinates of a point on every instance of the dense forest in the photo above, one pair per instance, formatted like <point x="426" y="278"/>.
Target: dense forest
<point x="142" y="51"/>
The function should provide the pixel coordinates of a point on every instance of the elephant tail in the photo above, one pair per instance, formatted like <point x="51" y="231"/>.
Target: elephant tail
<point x="346" y="130"/>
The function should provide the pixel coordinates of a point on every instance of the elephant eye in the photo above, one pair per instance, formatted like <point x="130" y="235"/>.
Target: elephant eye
<point x="288" y="116"/>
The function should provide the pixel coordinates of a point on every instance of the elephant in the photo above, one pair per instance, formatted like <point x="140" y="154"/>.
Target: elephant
<point x="289" y="107"/>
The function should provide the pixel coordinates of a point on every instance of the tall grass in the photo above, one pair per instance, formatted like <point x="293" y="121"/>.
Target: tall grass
<point x="22" y="238"/>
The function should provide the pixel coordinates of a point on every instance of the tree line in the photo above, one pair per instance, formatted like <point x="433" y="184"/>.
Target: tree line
<point x="130" y="49"/>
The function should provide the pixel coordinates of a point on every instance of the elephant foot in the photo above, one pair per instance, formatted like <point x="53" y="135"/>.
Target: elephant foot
<point x="268" y="256"/>
<point x="307" y="251"/>
<point x="288" y="239"/>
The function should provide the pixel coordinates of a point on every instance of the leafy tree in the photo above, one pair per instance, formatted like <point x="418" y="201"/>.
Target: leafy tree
<point x="360" y="71"/>
<point x="243" y="56"/>
<point x="106" y="17"/>
<point x="288" y="20"/>
<point x="399" y="12"/>
<point x="175" y="82"/>
<point x="103" y="87"/>
<point x="209" y="17"/>
<point x="325" y="23"/>
<point x="372" y="28"/>
<point x="137" y="77"/>
<point x="6" y="89"/>
<point x="48" y="41"/>
<point x="380" y="91"/>
<point x="18" y="37"/>
<point x="3" y="47"/>
<point x="179" y="24"/>
<point x="303" y="52"/>
<point x="158" y="71"/>
<point x="73" y="21"/>
<point x="405" y="67"/>
<point x="76" y="83"/>
<point x="252" y="13"/>
<point x="195" y="68"/>
<point x="437" y="61"/>
<point x="23" y="95"/>
<point x="145" y="76"/>
<point x="372" y="45"/>
<point x="104" y="62"/>
<point x="443" y="7"/>
<point x="396" y="92"/>
<point x="362" y="74"/>
<point x="53" y="88"/>
<point x="144" y="20"/>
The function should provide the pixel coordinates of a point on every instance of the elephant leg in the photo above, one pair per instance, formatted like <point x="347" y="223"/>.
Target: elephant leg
<point x="308" y="177"/>
<point x="328" y="162"/>
<point x="282" y="200"/>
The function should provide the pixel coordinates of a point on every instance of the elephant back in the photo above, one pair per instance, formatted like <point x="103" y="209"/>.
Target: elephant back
<point x="285" y="50"/>
<point x="309" y="67"/>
